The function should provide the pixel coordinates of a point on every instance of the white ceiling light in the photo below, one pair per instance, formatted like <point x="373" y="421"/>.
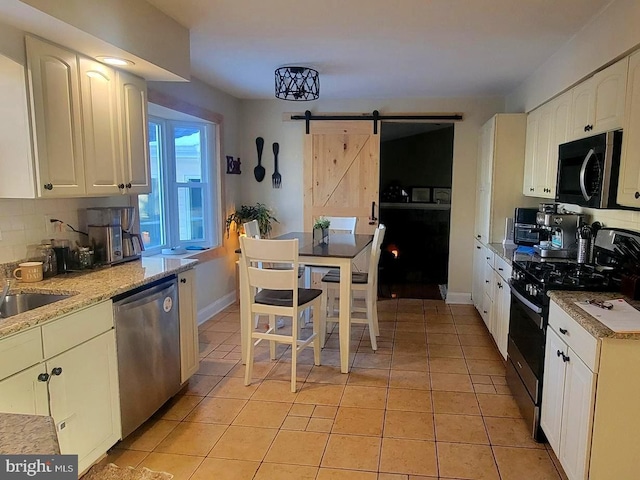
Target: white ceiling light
<point x="115" y="61"/>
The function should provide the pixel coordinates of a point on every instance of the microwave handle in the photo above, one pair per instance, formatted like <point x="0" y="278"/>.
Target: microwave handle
<point x="583" y="174"/>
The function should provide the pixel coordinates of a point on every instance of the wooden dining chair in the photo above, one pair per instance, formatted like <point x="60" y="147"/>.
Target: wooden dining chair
<point x="278" y="294"/>
<point x="360" y="282"/>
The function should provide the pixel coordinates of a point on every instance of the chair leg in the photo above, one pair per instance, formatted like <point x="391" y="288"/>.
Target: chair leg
<point x="371" y="325"/>
<point x="272" y="344"/>
<point x="322" y="321"/>
<point x="318" y="328"/>
<point x="372" y="306"/>
<point x="248" y="371"/>
<point x="294" y="349"/>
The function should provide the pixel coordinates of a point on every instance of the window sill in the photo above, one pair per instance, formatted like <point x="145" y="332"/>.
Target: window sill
<point x="200" y="255"/>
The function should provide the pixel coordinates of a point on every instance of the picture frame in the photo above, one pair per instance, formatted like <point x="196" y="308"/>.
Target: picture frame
<point x="441" y="195"/>
<point x="233" y="166"/>
<point x="421" y="195"/>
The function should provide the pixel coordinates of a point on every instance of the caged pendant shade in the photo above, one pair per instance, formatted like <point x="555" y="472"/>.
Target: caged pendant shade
<point x="297" y="83"/>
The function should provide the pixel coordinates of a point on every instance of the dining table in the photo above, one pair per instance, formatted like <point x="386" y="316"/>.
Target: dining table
<point x="339" y="252"/>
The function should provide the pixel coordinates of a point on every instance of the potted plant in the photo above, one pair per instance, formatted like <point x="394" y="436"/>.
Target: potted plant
<point x="321" y="230"/>
<point x="246" y="213"/>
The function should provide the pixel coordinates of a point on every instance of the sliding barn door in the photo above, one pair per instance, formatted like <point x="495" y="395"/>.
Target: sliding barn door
<point x="341" y="172"/>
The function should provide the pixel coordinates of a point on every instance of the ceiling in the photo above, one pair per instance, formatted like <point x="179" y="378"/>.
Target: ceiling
<point x="377" y="48"/>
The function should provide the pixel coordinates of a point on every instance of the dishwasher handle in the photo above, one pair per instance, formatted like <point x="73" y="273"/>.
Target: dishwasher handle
<point x="145" y="294"/>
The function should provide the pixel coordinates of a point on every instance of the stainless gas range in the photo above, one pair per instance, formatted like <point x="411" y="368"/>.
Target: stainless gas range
<point x="532" y="277"/>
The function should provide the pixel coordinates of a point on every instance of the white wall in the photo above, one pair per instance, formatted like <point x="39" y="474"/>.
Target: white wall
<point x="264" y="118"/>
<point x="609" y="36"/>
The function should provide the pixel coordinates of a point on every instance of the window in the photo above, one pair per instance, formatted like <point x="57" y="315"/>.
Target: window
<point x="181" y="209"/>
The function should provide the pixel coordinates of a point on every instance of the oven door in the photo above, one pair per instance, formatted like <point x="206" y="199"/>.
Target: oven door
<point x="526" y="341"/>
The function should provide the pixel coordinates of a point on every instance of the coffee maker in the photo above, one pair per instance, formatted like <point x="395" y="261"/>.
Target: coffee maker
<point x="110" y="235"/>
<point x="562" y="229"/>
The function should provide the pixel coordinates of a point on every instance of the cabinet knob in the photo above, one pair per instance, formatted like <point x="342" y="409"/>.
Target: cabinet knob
<point x="637" y="195"/>
<point x="48" y="186"/>
<point x="565" y="358"/>
<point x="486" y="281"/>
<point x="480" y="236"/>
<point x="43" y="377"/>
<point x="532" y="189"/>
<point x="500" y="269"/>
<point x="56" y="371"/>
<point x="128" y="185"/>
<point x="183" y="280"/>
<point x="478" y="247"/>
<point x="121" y="186"/>
<point x="586" y="128"/>
<point x="558" y="353"/>
<point x="563" y="331"/>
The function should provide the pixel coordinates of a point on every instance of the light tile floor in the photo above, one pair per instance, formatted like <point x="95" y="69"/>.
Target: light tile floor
<point x="432" y="402"/>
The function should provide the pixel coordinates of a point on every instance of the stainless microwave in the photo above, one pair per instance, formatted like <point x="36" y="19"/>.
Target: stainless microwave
<point x="588" y="170"/>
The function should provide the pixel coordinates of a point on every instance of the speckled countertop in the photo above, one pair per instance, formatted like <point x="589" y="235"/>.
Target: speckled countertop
<point x="566" y="300"/>
<point x="27" y="435"/>
<point x="505" y="251"/>
<point x="90" y="288"/>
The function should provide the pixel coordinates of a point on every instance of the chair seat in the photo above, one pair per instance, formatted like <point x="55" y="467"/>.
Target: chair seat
<point x="284" y="298"/>
<point x="356" y="277"/>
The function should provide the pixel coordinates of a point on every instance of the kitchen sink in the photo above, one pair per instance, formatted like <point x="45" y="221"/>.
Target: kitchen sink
<point x="23" y="302"/>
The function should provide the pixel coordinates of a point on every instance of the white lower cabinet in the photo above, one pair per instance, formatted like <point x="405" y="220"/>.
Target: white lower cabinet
<point x="500" y="313"/>
<point x="24" y="393"/>
<point x="189" y="346"/>
<point x="589" y="409"/>
<point x="567" y="406"/>
<point x="78" y="387"/>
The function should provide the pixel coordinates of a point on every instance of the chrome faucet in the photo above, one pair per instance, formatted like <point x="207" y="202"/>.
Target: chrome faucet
<point x="5" y="291"/>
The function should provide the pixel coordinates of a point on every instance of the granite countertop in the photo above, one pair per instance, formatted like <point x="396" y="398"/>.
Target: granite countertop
<point x="27" y="435"/>
<point x="566" y="300"/>
<point x="88" y="288"/>
<point x="505" y="251"/>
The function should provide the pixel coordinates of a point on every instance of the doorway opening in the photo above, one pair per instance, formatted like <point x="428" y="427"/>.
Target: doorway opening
<point x="416" y="160"/>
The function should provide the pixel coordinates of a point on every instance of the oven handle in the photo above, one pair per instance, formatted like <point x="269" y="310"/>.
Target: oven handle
<point x="583" y="174"/>
<point x="527" y="303"/>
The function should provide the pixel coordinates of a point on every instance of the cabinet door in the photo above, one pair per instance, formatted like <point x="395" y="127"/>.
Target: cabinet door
<point x="24" y="393"/>
<point x="477" y="288"/>
<point x="485" y="313"/>
<point x="134" y="128"/>
<point x="529" y="186"/>
<point x="483" y="181"/>
<point x="55" y="98"/>
<point x="501" y="309"/>
<point x="577" y="417"/>
<point x="610" y="86"/>
<point x="582" y="105"/>
<point x="189" y="347"/>
<point x="629" y="182"/>
<point x="542" y="150"/>
<point x="560" y="124"/>
<point x="102" y="149"/>
<point x="84" y="398"/>
<point x="552" y="393"/>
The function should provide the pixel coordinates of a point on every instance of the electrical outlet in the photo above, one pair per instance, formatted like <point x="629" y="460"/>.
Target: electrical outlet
<point x="50" y="227"/>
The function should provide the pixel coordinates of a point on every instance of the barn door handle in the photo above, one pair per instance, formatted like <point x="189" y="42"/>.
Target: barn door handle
<point x="372" y="218"/>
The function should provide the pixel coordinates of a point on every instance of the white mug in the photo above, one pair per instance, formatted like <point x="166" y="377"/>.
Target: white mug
<point x="29" y="272"/>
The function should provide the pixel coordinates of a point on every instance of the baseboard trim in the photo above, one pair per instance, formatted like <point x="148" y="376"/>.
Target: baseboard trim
<point x="459" y="298"/>
<point x="216" y="307"/>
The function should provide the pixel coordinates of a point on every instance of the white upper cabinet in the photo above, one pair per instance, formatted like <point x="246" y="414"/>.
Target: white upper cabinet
<point x="598" y="102"/>
<point x="101" y="128"/>
<point x="629" y="181"/>
<point x="55" y="100"/>
<point x="89" y="127"/>
<point x="132" y="104"/>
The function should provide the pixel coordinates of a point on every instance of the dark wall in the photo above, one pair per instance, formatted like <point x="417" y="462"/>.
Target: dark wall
<point x="423" y="160"/>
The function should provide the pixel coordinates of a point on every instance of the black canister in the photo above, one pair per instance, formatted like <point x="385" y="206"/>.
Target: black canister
<point x="63" y="259"/>
<point x="585" y="237"/>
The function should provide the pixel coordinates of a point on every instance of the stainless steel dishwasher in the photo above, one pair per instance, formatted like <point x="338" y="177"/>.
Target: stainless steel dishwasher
<point x="148" y="346"/>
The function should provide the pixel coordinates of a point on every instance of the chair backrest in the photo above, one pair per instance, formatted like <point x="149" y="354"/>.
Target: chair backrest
<point x="252" y="229"/>
<point x="258" y="258"/>
<point x="342" y="224"/>
<point x="378" y="237"/>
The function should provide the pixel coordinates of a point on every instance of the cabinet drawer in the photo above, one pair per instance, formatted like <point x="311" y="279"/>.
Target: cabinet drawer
<point x="577" y="338"/>
<point x="74" y="329"/>
<point x="502" y="267"/>
<point x="20" y="351"/>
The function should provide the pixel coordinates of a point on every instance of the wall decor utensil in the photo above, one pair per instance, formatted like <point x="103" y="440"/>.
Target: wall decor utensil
<point x="259" y="171"/>
<point x="276" y="178"/>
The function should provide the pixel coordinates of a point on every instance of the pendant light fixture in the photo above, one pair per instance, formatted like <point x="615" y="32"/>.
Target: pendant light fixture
<point x="297" y="83"/>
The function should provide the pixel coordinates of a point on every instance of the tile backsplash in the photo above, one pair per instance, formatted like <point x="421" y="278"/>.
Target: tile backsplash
<point x="24" y="222"/>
